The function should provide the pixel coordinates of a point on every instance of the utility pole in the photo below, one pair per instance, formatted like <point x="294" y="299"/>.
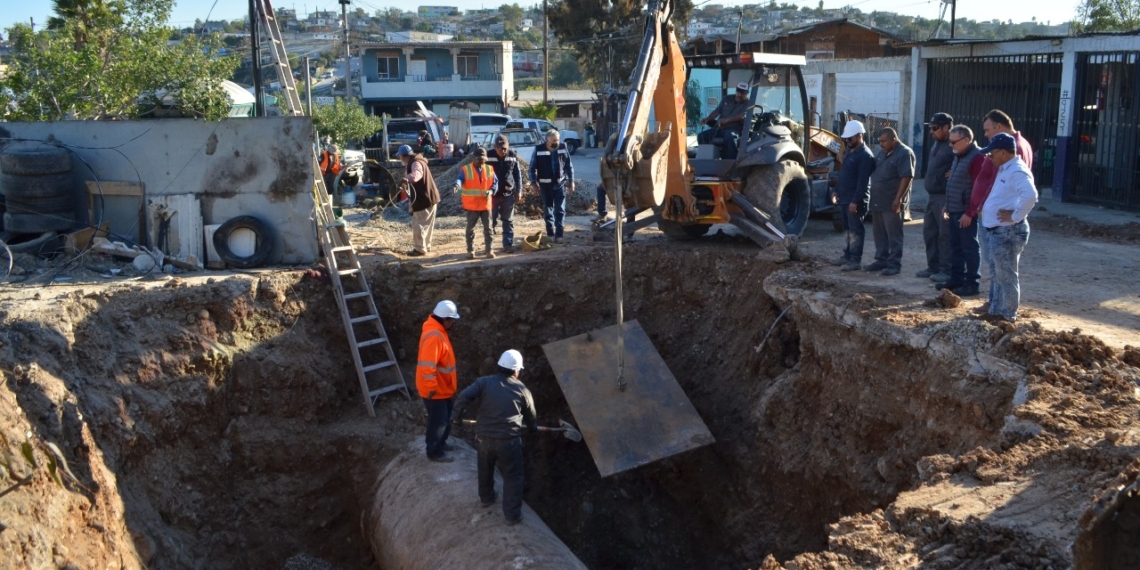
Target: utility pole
<point x="308" y="87"/>
<point x="739" y="21"/>
<point x="953" y="19"/>
<point x="347" y="52"/>
<point x="33" y="23"/>
<point x="255" y="68"/>
<point x="545" y="54"/>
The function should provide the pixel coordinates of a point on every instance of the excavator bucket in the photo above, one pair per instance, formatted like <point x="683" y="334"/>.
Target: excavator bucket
<point x="644" y="185"/>
<point x="649" y="420"/>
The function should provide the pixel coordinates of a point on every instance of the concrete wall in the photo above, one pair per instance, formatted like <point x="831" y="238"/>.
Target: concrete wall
<point x="881" y="86"/>
<point x="261" y="167"/>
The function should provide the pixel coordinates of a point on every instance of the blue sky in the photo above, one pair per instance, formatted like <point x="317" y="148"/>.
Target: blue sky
<point x="185" y="11"/>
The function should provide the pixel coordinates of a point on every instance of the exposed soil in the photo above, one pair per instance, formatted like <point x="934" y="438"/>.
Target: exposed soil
<point x="217" y="421"/>
<point x="1070" y="226"/>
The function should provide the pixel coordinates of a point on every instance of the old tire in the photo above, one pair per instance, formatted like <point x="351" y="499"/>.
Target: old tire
<point x="782" y="187"/>
<point x="572" y="146"/>
<point x="261" y="251"/>
<point x="35" y="223"/>
<point x="679" y="231"/>
<point x="35" y="160"/>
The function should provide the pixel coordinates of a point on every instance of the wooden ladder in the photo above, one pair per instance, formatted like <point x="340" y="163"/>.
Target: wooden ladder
<point x="376" y="366"/>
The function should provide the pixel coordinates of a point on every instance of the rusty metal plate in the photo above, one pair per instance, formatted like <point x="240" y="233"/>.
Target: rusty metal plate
<point x="650" y="420"/>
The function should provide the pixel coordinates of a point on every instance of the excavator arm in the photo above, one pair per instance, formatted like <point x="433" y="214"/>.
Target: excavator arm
<point x="637" y="164"/>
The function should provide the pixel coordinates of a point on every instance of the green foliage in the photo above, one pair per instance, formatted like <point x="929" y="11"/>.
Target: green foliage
<point x="345" y="122"/>
<point x="693" y="104"/>
<point x="564" y="71"/>
<point x="1107" y="16"/>
<point x="538" y="111"/>
<point x="511" y="15"/>
<point x="117" y="64"/>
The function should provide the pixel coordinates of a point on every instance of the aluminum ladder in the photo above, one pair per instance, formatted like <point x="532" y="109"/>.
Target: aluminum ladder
<point x="376" y="365"/>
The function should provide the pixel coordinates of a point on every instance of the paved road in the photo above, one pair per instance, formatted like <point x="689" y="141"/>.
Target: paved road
<point x="586" y="166"/>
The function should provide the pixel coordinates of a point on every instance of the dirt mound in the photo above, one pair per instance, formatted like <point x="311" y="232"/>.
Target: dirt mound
<point x="1068" y="225"/>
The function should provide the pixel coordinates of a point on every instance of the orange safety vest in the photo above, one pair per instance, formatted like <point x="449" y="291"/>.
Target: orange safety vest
<point x="476" y="190"/>
<point x="326" y="168"/>
<point x="435" y="367"/>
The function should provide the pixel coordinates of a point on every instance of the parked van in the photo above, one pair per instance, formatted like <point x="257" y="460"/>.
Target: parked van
<point x="487" y="123"/>
<point x="571" y="138"/>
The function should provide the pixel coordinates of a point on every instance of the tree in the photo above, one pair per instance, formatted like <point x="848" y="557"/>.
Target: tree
<point x="424" y="26"/>
<point x="85" y="15"/>
<point x="564" y="71"/>
<point x="1107" y="16"/>
<point x="593" y="27"/>
<point x="511" y="15"/>
<point x="693" y="104"/>
<point x="345" y="122"/>
<point x="123" y="67"/>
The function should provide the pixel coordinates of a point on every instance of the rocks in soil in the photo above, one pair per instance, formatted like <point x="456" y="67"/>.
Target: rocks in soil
<point x="948" y="300"/>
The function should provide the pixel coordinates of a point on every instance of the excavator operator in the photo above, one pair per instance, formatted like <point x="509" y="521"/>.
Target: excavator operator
<point x="727" y="121"/>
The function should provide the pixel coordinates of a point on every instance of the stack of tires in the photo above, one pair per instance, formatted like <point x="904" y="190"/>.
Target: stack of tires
<point x="39" y="195"/>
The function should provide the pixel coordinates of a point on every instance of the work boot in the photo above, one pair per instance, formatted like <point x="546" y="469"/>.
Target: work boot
<point x="508" y="249"/>
<point x="414" y="253"/>
<point x="441" y="458"/>
<point x="490" y="254"/>
<point x="471" y="255"/>
<point x="983" y="308"/>
<point x="965" y="290"/>
<point x="489" y="502"/>
<point x="890" y="271"/>
<point x="946" y="285"/>
<point x="513" y="522"/>
<point x="940" y="277"/>
<point x="924" y="273"/>
<point x="875" y="266"/>
<point x="840" y="261"/>
<point x="851" y="266"/>
<point x="558" y="239"/>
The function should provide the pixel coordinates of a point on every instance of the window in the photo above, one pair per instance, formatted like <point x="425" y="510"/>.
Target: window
<point x="387" y="67"/>
<point x="488" y="121"/>
<point x="468" y="65"/>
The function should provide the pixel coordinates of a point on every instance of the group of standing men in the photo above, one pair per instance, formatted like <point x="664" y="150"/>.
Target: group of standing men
<point x="489" y="186"/>
<point x="979" y="202"/>
<point x="505" y="410"/>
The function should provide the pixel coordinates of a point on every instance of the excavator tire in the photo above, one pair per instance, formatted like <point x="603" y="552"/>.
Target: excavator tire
<point x="679" y="231"/>
<point x="782" y="187"/>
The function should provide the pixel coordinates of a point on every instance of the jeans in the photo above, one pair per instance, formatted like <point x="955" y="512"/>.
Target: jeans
<point x="730" y="136"/>
<point x="553" y="209"/>
<point x="438" y="426"/>
<point x="601" y="201"/>
<point x="473" y="218"/>
<point x="856" y="234"/>
<point x="936" y="234"/>
<point x="503" y="208"/>
<point x="1005" y="245"/>
<point x="964" y="252"/>
<point x="888" y="230"/>
<point x="507" y="455"/>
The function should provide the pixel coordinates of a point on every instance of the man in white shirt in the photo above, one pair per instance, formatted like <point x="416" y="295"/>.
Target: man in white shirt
<point x="1004" y="216"/>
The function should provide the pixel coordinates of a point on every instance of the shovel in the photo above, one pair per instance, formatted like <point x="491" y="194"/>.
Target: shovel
<point x="568" y="431"/>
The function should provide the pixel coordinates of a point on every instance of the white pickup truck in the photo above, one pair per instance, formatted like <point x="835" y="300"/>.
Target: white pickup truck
<point x="571" y="138"/>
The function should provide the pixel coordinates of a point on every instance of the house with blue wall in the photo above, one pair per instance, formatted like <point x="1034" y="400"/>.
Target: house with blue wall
<point x="396" y="75"/>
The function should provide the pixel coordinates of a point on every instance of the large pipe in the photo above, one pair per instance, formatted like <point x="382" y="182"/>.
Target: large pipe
<point x="426" y="516"/>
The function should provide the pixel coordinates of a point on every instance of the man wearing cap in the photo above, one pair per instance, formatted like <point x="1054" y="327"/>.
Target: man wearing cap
<point x="552" y="171"/>
<point x="424" y="197"/>
<point x="506" y="411"/>
<point x="505" y="161"/>
<point x="330" y="166"/>
<point x="476" y="184"/>
<point x="935" y="223"/>
<point x="890" y="188"/>
<point x="727" y="121"/>
<point x="436" y="379"/>
<point x="853" y="192"/>
<point x="1004" y="216"/>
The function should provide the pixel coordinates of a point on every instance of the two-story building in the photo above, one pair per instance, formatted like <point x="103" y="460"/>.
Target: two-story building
<point x="396" y="75"/>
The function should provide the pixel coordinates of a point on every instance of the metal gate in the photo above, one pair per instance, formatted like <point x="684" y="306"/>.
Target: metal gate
<point x="1106" y="131"/>
<point x="1024" y="86"/>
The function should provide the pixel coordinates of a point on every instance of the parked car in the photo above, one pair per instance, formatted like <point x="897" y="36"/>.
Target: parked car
<point x="487" y="123"/>
<point x="519" y="138"/>
<point x="571" y="138"/>
<point x="407" y="131"/>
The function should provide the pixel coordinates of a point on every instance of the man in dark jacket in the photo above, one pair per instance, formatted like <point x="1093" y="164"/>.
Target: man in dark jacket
<point x="505" y="161"/>
<point x="424" y="196"/>
<point x="506" y="411"/>
<point x="935" y="223"/>
<point x="553" y="173"/>
<point x="964" y="247"/>
<point x="853" y="192"/>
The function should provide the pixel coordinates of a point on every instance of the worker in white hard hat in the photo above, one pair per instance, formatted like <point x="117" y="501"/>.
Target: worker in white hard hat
<point x="853" y="192"/>
<point x="506" y="411"/>
<point x="436" y="380"/>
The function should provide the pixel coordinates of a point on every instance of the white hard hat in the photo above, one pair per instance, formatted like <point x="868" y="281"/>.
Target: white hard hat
<point x="511" y="360"/>
<point x="852" y="128"/>
<point x="446" y="310"/>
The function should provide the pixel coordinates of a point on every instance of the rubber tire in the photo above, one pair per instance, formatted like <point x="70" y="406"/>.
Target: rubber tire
<point x="16" y="186"/>
<point x="784" y="184"/>
<point x="683" y="232"/>
<point x="36" y="160"/>
<point x="63" y="206"/>
<point x="572" y="146"/>
<point x="35" y="223"/>
<point x="265" y="242"/>
<point x="33" y="246"/>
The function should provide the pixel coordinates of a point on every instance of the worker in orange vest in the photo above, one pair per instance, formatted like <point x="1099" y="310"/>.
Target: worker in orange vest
<point x="476" y="184"/>
<point x="436" y="380"/>
<point x="330" y="166"/>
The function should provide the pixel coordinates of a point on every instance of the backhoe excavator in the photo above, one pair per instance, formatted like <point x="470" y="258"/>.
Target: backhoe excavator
<point x="763" y="191"/>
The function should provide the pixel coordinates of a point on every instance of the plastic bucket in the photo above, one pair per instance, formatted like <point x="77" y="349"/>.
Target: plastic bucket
<point x="446" y="150"/>
<point x="348" y="198"/>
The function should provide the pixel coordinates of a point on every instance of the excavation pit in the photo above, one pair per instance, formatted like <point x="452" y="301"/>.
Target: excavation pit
<point x="220" y="425"/>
